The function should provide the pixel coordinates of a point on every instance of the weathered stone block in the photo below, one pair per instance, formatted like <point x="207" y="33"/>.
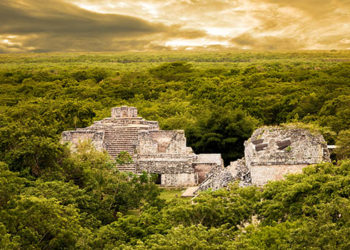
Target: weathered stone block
<point x="258" y="141"/>
<point x="283" y="144"/>
<point x="260" y="147"/>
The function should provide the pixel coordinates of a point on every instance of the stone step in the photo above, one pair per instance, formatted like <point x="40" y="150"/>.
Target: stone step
<point x="120" y="147"/>
<point x="127" y="168"/>
<point x="115" y="152"/>
<point x="116" y="147"/>
<point x="121" y="139"/>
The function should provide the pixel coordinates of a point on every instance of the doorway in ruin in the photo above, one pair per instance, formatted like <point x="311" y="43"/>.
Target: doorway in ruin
<point x="158" y="179"/>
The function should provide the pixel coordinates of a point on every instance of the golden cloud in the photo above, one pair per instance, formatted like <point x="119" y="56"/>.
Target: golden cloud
<point x="108" y="25"/>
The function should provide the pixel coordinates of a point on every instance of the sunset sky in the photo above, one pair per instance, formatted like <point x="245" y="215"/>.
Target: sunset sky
<point x="133" y="25"/>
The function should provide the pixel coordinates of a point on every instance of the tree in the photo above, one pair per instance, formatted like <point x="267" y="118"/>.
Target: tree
<point x="172" y="71"/>
<point x="10" y="185"/>
<point x="343" y="145"/>
<point x="7" y="242"/>
<point x="222" y="132"/>
<point x="44" y="223"/>
<point x="123" y="158"/>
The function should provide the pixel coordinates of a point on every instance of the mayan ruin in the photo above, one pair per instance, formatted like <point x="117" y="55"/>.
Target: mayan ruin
<point x="161" y="152"/>
<point x="271" y="153"/>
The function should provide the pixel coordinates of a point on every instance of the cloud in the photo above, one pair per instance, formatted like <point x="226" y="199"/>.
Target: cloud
<point x="66" y="19"/>
<point x="299" y="24"/>
<point x="38" y="26"/>
<point x="109" y="25"/>
<point x="314" y="8"/>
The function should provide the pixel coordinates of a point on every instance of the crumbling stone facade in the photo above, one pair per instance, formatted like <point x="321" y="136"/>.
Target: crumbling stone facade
<point x="273" y="152"/>
<point x="270" y="154"/>
<point x="162" y="152"/>
<point x="220" y="177"/>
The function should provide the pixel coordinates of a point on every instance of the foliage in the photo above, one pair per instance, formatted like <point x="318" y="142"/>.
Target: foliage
<point x="223" y="131"/>
<point x="43" y="223"/>
<point x="7" y="242"/>
<point x="51" y="198"/>
<point x="343" y="144"/>
<point x="63" y="213"/>
<point x="123" y="158"/>
<point x="193" y="237"/>
<point x="10" y="184"/>
<point x="172" y="71"/>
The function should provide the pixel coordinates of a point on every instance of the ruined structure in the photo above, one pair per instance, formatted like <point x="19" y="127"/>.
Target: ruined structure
<point x="161" y="152"/>
<point x="271" y="153"/>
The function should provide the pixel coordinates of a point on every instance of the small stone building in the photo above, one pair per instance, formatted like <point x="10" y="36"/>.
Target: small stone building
<point x="161" y="152"/>
<point x="270" y="154"/>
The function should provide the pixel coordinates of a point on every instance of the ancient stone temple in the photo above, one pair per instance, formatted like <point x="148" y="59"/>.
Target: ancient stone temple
<point x="270" y="154"/>
<point x="161" y="152"/>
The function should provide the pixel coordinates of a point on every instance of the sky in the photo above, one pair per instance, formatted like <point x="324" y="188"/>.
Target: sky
<point x="147" y="25"/>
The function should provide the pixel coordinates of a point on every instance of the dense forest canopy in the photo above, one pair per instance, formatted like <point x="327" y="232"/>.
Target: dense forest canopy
<point x="51" y="198"/>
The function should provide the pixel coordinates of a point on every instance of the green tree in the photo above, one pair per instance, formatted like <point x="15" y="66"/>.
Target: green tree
<point x="44" y="223"/>
<point x="172" y="71"/>
<point x="123" y="158"/>
<point x="343" y="145"/>
<point x="222" y="132"/>
<point x="7" y="242"/>
<point x="10" y="184"/>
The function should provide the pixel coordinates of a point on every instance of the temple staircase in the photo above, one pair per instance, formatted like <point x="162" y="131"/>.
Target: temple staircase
<point x="121" y="139"/>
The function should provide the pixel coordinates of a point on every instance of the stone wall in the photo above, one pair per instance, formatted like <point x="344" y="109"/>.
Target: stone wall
<point x="262" y="174"/>
<point x="181" y="179"/>
<point x="162" y="142"/>
<point x="164" y="166"/>
<point x="165" y="152"/>
<point x="76" y="137"/>
<point x="173" y="171"/>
